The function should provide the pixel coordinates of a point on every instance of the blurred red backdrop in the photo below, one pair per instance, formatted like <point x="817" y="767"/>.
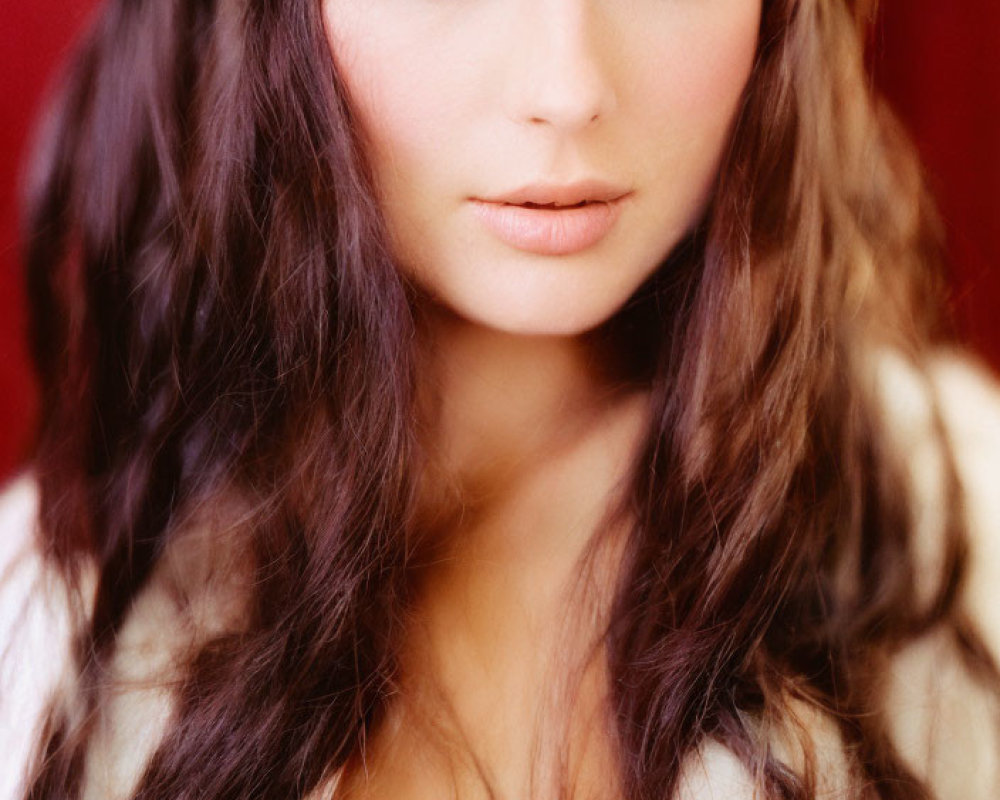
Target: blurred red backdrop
<point x="937" y="62"/>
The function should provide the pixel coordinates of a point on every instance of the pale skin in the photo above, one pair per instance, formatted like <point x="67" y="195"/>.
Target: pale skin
<point x="531" y="431"/>
<point x="529" y="426"/>
<point x="467" y="100"/>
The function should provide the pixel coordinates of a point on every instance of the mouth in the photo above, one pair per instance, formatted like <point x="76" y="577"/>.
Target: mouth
<point x="549" y="229"/>
<point x="553" y="206"/>
<point x="560" y="196"/>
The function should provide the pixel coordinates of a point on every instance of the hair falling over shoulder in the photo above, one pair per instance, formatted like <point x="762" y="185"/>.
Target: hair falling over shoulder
<point x="217" y="321"/>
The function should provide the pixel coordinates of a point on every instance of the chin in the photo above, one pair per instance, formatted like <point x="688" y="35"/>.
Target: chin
<point x="522" y="316"/>
<point x="541" y="298"/>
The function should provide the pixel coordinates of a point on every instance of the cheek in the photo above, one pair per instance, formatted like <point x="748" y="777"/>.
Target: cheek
<point x="397" y="90"/>
<point x="707" y="70"/>
<point x="686" y="95"/>
<point x="705" y="53"/>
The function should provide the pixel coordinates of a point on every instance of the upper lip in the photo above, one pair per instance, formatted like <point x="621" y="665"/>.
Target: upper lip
<point x="562" y="194"/>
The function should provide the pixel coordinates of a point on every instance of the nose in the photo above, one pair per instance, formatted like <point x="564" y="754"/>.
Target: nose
<point x="559" y="74"/>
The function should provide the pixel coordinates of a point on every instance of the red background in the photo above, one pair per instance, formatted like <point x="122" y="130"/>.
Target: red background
<point x="938" y="62"/>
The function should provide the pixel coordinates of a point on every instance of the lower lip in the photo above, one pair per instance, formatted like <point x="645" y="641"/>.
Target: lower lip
<point x="549" y="231"/>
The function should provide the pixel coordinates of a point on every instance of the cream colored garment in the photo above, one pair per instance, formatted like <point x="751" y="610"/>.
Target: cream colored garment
<point x="944" y="723"/>
<point x="34" y="630"/>
<point x="34" y="623"/>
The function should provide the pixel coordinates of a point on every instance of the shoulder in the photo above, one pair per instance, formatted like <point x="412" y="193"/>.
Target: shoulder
<point x="34" y="631"/>
<point x="943" y="718"/>
<point x="949" y="408"/>
<point x="192" y="595"/>
<point x="969" y="398"/>
<point x="959" y="387"/>
<point x="18" y="512"/>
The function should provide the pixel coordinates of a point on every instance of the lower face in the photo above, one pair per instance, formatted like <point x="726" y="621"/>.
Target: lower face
<point x="486" y="120"/>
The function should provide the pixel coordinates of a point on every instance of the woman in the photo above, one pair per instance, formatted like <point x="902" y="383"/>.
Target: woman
<point x="494" y="399"/>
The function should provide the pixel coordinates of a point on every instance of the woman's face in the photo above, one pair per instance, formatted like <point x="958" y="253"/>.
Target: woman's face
<point x="476" y="112"/>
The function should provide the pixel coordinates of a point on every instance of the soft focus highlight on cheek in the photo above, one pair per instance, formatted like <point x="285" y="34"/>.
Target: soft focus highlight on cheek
<point x="388" y="84"/>
<point x="639" y="95"/>
<point x="689" y="91"/>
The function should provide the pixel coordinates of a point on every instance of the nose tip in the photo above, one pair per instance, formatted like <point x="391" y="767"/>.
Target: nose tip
<point x="561" y="78"/>
<point x="567" y="93"/>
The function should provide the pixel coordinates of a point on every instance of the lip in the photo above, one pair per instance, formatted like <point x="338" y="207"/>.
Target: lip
<point x="547" y="231"/>
<point x="563" y="194"/>
<point x="580" y="216"/>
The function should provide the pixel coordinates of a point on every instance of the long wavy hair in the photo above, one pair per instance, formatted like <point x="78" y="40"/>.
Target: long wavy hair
<point x="218" y="324"/>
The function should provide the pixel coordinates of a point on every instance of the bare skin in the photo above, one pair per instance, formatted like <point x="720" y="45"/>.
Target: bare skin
<point x="528" y="430"/>
<point x="531" y="438"/>
<point x="485" y="654"/>
<point x="529" y="433"/>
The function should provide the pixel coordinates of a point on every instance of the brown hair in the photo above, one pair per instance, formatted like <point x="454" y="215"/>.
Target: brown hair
<point x="216" y="315"/>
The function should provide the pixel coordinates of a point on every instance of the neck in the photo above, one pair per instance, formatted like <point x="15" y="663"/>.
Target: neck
<point x="528" y="440"/>
<point x="495" y="404"/>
